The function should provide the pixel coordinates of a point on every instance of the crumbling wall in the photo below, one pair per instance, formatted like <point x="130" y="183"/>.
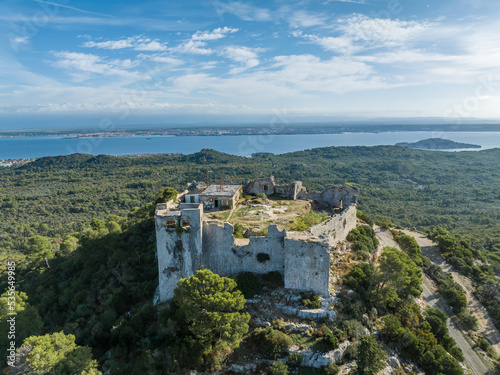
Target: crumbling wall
<point x="337" y="227"/>
<point x="336" y="196"/>
<point x="304" y="265"/>
<point x="261" y="185"/>
<point x="179" y="250"/>
<point x="307" y="266"/>
<point x="222" y="254"/>
<point x="291" y="191"/>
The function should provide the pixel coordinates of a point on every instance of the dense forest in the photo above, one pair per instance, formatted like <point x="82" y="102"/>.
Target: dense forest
<point x="80" y="230"/>
<point x="55" y="196"/>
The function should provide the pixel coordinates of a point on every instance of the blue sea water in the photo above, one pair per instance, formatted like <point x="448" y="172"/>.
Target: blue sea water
<point x="34" y="147"/>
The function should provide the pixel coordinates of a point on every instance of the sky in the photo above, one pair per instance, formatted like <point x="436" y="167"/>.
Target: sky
<point x="70" y="63"/>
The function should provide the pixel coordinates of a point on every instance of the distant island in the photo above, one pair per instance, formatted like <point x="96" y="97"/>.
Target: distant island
<point x="437" y="144"/>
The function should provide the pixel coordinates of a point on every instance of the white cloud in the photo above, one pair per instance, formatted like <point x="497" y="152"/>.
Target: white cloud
<point x="161" y="58"/>
<point x="206" y="65"/>
<point x="197" y="44"/>
<point x="20" y="40"/>
<point x="342" y="44"/>
<point x="242" y="10"/>
<point x="218" y="33"/>
<point x="194" y="47"/>
<point x="246" y="56"/>
<point x="77" y="62"/>
<point x="360" y="32"/>
<point x="302" y="18"/>
<point x="381" y="31"/>
<point x="137" y="43"/>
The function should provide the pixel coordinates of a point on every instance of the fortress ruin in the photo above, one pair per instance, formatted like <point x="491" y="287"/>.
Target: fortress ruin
<point x="187" y="241"/>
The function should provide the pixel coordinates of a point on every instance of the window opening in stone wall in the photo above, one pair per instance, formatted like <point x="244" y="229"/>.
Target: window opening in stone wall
<point x="171" y="224"/>
<point x="185" y="222"/>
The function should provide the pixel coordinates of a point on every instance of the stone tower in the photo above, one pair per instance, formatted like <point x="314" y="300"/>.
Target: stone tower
<point x="179" y="246"/>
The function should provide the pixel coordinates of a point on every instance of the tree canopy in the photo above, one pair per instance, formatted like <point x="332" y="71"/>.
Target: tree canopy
<point x="400" y="277"/>
<point x="57" y="354"/>
<point x="208" y="312"/>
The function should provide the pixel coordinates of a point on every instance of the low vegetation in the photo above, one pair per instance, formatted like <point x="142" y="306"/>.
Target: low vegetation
<point x="308" y="220"/>
<point x="364" y="241"/>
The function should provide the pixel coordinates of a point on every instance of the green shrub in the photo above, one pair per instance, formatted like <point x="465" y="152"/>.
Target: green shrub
<point x="330" y="369"/>
<point x="263" y="257"/>
<point x="238" y="230"/>
<point x="278" y="368"/>
<point x="294" y="360"/>
<point x="371" y="356"/>
<point x="261" y="195"/>
<point x="308" y="220"/>
<point x="410" y="246"/>
<point x="310" y="300"/>
<point x="351" y="352"/>
<point x="365" y="217"/>
<point x="263" y="232"/>
<point x="248" y="283"/>
<point x="456" y="352"/>
<point x="483" y="343"/>
<point x="270" y="343"/>
<point x="331" y="340"/>
<point x="467" y="321"/>
<point x="363" y="238"/>
<point x="383" y="221"/>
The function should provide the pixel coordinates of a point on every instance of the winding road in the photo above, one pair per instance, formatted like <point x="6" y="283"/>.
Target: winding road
<point x="433" y="298"/>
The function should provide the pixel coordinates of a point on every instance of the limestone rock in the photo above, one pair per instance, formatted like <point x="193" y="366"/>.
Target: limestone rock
<point x="244" y="369"/>
<point x="338" y="353"/>
<point x="289" y="310"/>
<point x="318" y="360"/>
<point x="331" y="315"/>
<point x="302" y="328"/>
<point x="313" y="313"/>
<point x="393" y="361"/>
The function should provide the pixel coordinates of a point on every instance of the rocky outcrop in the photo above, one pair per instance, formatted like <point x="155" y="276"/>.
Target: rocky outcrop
<point x="318" y="360"/>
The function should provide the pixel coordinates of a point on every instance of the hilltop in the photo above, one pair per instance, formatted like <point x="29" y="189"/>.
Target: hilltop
<point x="437" y="144"/>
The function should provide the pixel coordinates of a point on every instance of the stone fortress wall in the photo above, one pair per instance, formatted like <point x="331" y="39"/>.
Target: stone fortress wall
<point x="268" y="186"/>
<point x="187" y="243"/>
<point x="304" y="263"/>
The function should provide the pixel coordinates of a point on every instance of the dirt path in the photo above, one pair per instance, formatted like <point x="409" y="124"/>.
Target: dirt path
<point x="433" y="299"/>
<point x="475" y="307"/>
<point x="385" y="238"/>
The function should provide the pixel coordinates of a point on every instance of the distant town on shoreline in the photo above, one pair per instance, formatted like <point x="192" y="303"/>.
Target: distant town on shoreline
<point x="282" y="129"/>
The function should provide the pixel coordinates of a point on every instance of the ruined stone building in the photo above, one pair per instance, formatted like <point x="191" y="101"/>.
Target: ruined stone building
<point x="186" y="242"/>
<point x="212" y="196"/>
<point x="268" y="186"/>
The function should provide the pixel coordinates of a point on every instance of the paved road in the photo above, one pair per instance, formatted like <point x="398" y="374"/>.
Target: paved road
<point x="475" y="307"/>
<point x="433" y="299"/>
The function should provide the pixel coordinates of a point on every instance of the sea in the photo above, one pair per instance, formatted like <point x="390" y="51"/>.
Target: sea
<point x="242" y="145"/>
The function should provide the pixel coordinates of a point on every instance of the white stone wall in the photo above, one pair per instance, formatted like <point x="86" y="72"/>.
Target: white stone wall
<point x="222" y="256"/>
<point x="179" y="252"/>
<point x="334" y="195"/>
<point x="304" y="265"/>
<point x="307" y="266"/>
<point x="337" y="227"/>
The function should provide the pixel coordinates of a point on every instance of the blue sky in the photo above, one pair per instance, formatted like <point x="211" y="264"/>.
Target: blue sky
<point x="68" y="62"/>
